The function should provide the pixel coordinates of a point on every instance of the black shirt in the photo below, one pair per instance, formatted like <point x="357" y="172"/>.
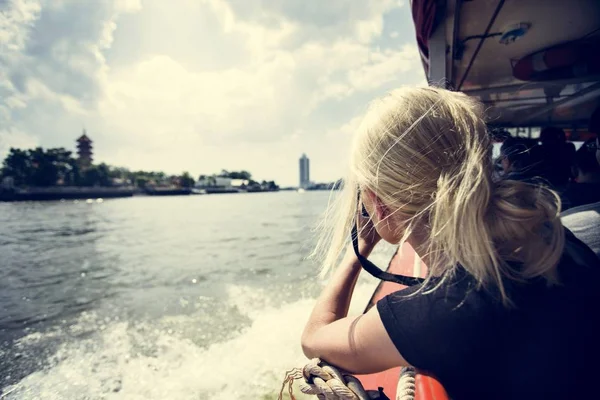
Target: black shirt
<point x="579" y="194"/>
<point x="545" y="347"/>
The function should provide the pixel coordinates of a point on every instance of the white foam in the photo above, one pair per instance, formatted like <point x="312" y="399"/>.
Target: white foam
<point x="146" y="361"/>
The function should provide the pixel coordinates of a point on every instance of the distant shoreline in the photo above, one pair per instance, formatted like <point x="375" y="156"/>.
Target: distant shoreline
<point x="55" y="193"/>
<point x="64" y="193"/>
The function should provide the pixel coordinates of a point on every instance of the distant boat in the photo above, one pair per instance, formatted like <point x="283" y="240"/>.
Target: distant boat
<point x="168" y="191"/>
<point x="301" y="190"/>
<point x="221" y="190"/>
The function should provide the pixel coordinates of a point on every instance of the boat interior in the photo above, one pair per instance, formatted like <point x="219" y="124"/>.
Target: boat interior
<point x="532" y="63"/>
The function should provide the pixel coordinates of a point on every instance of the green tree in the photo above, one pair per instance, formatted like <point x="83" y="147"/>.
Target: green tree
<point x="143" y="178"/>
<point x="103" y="175"/>
<point x="186" y="180"/>
<point x="75" y="177"/>
<point x="141" y="181"/>
<point x="65" y="164"/>
<point x="44" y="167"/>
<point x="90" y="176"/>
<point x="95" y="175"/>
<point x="245" y="175"/>
<point x="119" y="173"/>
<point x="18" y="165"/>
<point x="237" y="175"/>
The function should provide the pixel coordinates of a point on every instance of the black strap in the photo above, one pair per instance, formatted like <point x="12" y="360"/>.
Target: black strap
<point x="378" y="273"/>
<point x="382" y="395"/>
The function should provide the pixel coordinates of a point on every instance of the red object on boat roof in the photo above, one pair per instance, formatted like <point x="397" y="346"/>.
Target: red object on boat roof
<point x="564" y="61"/>
<point x="423" y="12"/>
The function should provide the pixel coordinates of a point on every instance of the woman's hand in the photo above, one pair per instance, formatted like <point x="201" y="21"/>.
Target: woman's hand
<point x="358" y="344"/>
<point x="367" y="234"/>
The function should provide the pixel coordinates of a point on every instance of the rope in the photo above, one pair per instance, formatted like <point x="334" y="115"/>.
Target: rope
<point x="329" y="383"/>
<point x="406" y="384"/>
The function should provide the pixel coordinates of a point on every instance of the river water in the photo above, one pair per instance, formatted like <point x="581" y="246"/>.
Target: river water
<point x="196" y="297"/>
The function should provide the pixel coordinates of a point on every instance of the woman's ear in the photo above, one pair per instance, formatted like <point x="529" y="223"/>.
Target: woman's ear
<point x="380" y="209"/>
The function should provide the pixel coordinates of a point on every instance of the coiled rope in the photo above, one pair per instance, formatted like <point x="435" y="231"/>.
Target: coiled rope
<point x="406" y="384"/>
<point x="329" y="383"/>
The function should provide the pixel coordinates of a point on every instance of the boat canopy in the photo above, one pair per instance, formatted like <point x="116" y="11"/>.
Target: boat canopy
<point x="532" y="63"/>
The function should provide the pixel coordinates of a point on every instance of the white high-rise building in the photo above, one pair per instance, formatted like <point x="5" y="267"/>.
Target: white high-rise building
<point x="304" y="172"/>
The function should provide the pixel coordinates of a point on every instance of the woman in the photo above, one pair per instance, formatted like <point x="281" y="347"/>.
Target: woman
<point x="509" y="308"/>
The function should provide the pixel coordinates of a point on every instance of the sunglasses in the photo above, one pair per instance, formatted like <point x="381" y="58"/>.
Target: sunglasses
<point x="372" y="268"/>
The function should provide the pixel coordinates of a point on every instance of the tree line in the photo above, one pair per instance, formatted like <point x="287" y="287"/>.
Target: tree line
<point x="58" y="166"/>
<point x="211" y="180"/>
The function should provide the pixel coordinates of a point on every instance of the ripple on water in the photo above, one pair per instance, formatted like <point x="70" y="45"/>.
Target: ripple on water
<point x="167" y="274"/>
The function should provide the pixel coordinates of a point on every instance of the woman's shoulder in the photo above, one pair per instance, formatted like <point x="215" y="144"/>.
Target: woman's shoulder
<point x="445" y="317"/>
<point x="579" y="268"/>
<point x="455" y="297"/>
<point x="579" y="255"/>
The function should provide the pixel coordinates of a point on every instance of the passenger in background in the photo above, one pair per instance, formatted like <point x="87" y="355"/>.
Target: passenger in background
<point x="516" y="159"/>
<point x="586" y="186"/>
<point x="555" y="156"/>
<point x="584" y="221"/>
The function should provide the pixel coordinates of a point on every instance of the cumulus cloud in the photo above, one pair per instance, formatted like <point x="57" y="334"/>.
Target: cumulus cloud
<point x="360" y="20"/>
<point x="14" y="138"/>
<point x="198" y="85"/>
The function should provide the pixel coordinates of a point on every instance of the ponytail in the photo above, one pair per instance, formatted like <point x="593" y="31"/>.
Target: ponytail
<point x="524" y="221"/>
<point x="495" y="231"/>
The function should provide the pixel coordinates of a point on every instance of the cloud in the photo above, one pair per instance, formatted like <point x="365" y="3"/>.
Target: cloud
<point x="347" y="129"/>
<point x="17" y="139"/>
<point x="16" y="20"/>
<point x="198" y="85"/>
<point x="328" y="21"/>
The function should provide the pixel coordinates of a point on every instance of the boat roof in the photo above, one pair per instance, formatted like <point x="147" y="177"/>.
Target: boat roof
<point x="464" y="47"/>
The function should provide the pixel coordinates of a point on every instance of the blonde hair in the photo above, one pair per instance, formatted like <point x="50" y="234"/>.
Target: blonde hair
<point x="426" y="153"/>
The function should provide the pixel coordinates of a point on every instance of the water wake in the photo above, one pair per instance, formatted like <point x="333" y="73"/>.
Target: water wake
<point x="175" y="357"/>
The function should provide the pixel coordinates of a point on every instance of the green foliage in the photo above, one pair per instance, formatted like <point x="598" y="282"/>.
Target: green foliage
<point x="96" y="175"/>
<point x="235" y="174"/>
<point x="18" y="165"/>
<point x="186" y="180"/>
<point x="141" y="181"/>
<point x="39" y="167"/>
<point x="57" y="166"/>
<point x="271" y="185"/>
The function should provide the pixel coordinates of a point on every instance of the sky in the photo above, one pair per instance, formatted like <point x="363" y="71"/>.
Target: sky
<point x="201" y="85"/>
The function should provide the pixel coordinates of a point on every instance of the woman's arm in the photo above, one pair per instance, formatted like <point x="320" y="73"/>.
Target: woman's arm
<point x="334" y="301"/>
<point x="356" y="344"/>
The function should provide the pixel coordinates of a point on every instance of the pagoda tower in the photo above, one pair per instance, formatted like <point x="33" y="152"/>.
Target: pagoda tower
<point x="84" y="150"/>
